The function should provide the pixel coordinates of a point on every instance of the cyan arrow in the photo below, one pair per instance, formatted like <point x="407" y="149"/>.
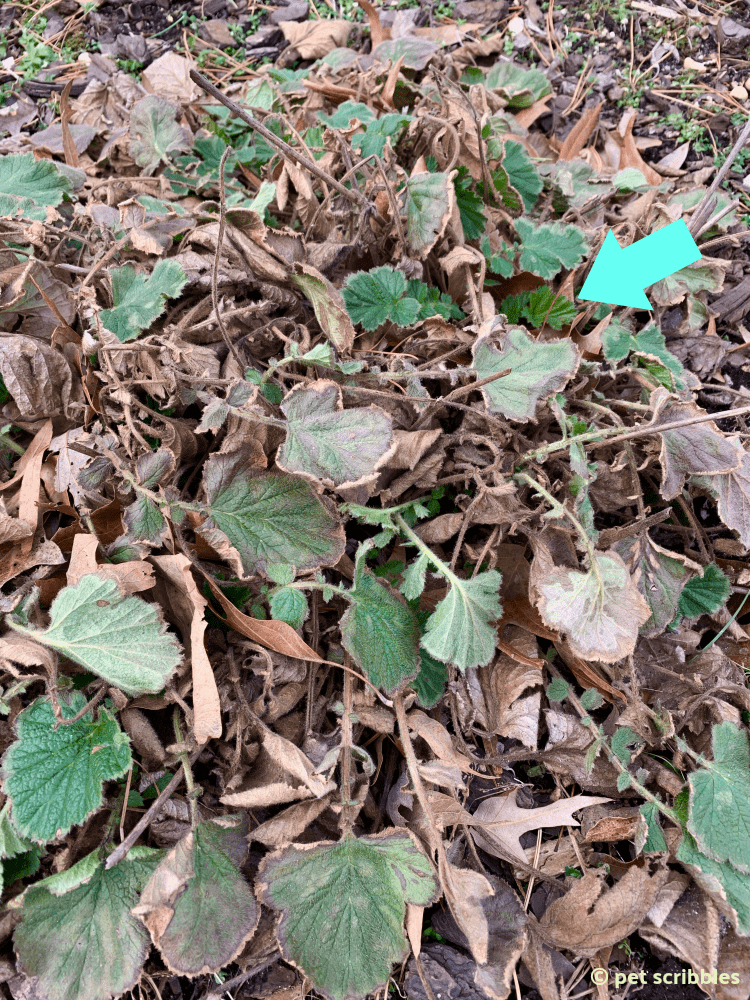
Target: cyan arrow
<point x="619" y="274"/>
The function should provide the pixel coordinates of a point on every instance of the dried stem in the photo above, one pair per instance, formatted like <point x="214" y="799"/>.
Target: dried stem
<point x="217" y="257"/>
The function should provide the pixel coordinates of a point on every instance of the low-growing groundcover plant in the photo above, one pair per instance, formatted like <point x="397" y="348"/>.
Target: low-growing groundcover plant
<point x="346" y="554"/>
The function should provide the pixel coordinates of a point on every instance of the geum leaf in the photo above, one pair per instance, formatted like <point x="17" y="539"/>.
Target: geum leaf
<point x="379" y="630"/>
<point x="537" y="371"/>
<point x="328" y="304"/>
<point x="333" y="445"/>
<point x="258" y="519"/>
<point x="343" y="907"/>
<point x="28" y="185"/>
<point x="459" y="629"/>
<point x="549" y="247"/>
<point x="77" y="934"/>
<point x="599" y="611"/>
<point x="139" y="300"/>
<point x="719" y="809"/>
<point x="373" y="297"/>
<point x="429" y="203"/>
<point x="154" y="133"/>
<point x="54" y="777"/>
<point x="121" y="639"/>
<point x="704" y="595"/>
<point x="502" y="822"/>
<point x="731" y="491"/>
<point x="197" y="906"/>
<point x="660" y="576"/>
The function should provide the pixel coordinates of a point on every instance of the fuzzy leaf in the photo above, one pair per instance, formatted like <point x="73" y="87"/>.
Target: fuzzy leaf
<point x="290" y="606"/>
<point x="258" y="519"/>
<point x="522" y="173"/>
<point x="550" y="246"/>
<point x="27" y="185"/>
<point x="139" y="300"/>
<point x="600" y="611"/>
<point x="328" y="304"/>
<point x="144" y="522"/>
<point x="704" y="595"/>
<point x="430" y="681"/>
<point x="539" y="306"/>
<point x="729" y="888"/>
<point x="154" y="467"/>
<point x="470" y="205"/>
<point x="329" y="443"/>
<point x="558" y="689"/>
<point x="121" y="639"/>
<point x="414" y="577"/>
<point x="719" y="811"/>
<point x="520" y="87"/>
<point x="429" y="203"/>
<point x="343" y="907"/>
<point x="459" y="630"/>
<point x="379" y="630"/>
<point x="655" y="840"/>
<point x="83" y="944"/>
<point x="54" y="777"/>
<point x="154" y="133"/>
<point x="197" y="906"/>
<point x="537" y="371"/>
<point x="372" y="297"/>
<point x="509" y="196"/>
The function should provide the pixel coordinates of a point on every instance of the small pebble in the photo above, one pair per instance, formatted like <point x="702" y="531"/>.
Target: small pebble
<point x="739" y="93"/>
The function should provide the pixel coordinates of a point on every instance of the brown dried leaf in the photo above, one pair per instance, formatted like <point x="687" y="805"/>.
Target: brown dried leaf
<point x="580" y="134"/>
<point x="589" y="918"/>
<point x="315" y="39"/>
<point x="466" y="891"/>
<point x="290" y="823"/>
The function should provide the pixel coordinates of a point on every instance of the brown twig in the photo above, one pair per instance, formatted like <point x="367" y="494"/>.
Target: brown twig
<point x="217" y="257"/>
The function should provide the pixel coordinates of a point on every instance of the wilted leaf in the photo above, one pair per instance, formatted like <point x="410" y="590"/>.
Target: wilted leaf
<point x="697" y="449"/>
<point x="719" y="811"/>
<point x="550" y="246"/>
<point x="103" y="948"/>
<point x="343" y="907"/>
<point x="120" y="639"/>
<point x="329" y="443"/>
<point x="429" y="204"/>
<point x="600" y="611"/>
<point x="154" y="133"/>
<point x="258" y="519"/>
<point x="197" y="906"/>
<point x="503" y="822"/>
<point x="727" y="887"/>
<point x="139" y="300"/>
<point x="732" y="494"/>
<point x="537" y="371"/>
<point x="519" y="86"/>
<point x="144" y="522"/>
<point x="660" y="576"/>
<point x="459" y="630"/>
<point x="590" y="917"/>
<point x="380" y="630"/>
<point x="328" y="304"/>
<point x="54" y="777"/>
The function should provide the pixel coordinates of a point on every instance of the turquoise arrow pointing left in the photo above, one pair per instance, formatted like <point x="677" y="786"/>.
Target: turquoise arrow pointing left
<point x="620" y="274"/>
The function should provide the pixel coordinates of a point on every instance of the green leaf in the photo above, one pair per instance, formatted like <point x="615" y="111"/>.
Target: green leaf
<point x="704" y="595"/>
<point x="459" y="630"/>
<point x="655" y="840"/>
<point x="414" y="577"/>
<point x="329" y="443"/>
<point x="591" y="699"/>
<point x="121" y="639"/>
<point x="84" y="944"/>
<point x="289" y="605"/>
<point x="154" y="467"/>
<point x="537" y="371"/>
<point x="154" y="134"/>
<point x="373" y="297"/>
<point x="211" y="909"/>
<point x="429" y="203"/>
<point x="139" y="300"/>
<point x="624" y="738"/>
<point x="719" y="812"/>
<point x="432" y="301"/>
<point x="379" y="630"/>
<point x="729" y="888"/>
<point x="348" y="113"/>
<point x="623" y="781"/>
<point x="343" y="907"/>
<point x="617" y="343"/>
<point x="537" y="306"/>
<point x="432" y="677"/>
<point x="21" y="866"/>
<point x="522" y="173"/>
<point x="509" y="196"/>
<point x="27" y="185"/>
<point x="600" y="610"/>
<point x="11" y="843"/>
<point x="497" y="263"/>
<point x="550" y="246"/>
<point x="558" y="689"/>
<point x="520" y="87"/>
<point x="54" y="777"/>
<point x="258" y="519"/>
<point x="470" y="205"/>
